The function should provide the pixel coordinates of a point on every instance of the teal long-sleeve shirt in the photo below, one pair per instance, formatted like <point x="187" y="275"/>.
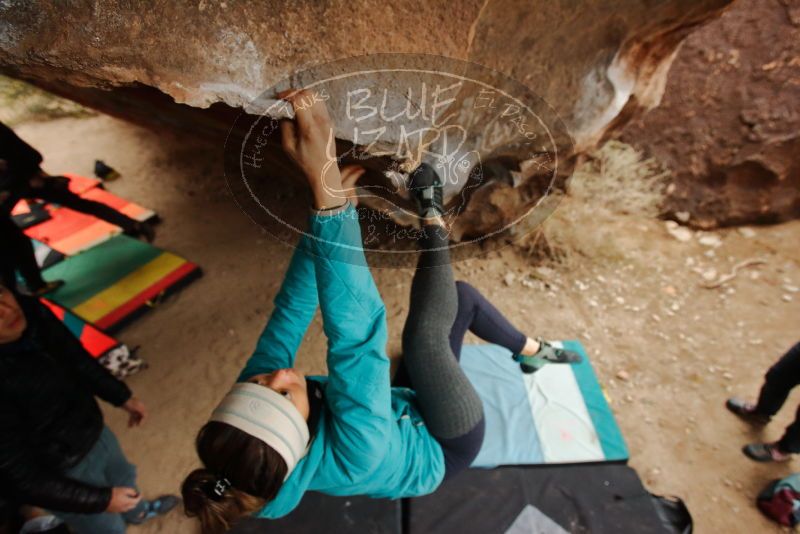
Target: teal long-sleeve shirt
<point x="371" y="439"/>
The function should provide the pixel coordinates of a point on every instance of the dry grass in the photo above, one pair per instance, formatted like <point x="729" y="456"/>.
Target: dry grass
<point x="21" y="102"/>
<point x="618" y="178"/>
<point x="615" y="180"/>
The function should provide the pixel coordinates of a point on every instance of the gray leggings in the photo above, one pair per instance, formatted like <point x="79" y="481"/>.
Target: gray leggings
<point x="447" y="400"/>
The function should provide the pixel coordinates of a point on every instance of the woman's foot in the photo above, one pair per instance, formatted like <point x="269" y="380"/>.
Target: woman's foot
<point x="426" y="188"/>
<point x="155" y="508"/>
<point x="746" y="411"/>
<point x="766" y="452"/>
<point x="547" y="353"/>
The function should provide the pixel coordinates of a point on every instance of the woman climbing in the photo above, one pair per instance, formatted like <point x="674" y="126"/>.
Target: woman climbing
<point x="277" y="434"/>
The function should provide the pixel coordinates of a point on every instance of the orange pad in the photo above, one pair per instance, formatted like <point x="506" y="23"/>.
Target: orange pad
<point x="131" y="209"/>
<point x="70" y="232"/>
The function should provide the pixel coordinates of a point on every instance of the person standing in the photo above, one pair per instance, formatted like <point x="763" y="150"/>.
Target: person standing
<point x="21" y="177"/>
<point x="779" y="381"/>
<point x="55" y="451"/>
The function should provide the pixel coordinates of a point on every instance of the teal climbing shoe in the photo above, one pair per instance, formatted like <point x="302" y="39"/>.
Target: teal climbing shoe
<point x="547" y="353"/>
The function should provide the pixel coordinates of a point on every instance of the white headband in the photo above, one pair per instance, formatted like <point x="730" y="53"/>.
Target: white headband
<point x="267" y="415"/>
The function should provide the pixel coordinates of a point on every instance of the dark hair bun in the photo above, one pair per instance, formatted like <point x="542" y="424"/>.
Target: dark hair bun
<point x="217" y="513"/>
<point x="253" y="473"/>
<point x="194" y="491"/>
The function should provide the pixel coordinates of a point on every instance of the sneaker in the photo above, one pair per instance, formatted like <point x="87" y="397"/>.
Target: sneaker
<point x="46" y="288"/>
<point x="766" y="452"/>
<point x="426" y="188"/>
<point x="746" y="411"/>
<point x="547" y="353"/>
<point x="147" y="231"/>
<point x="155" y="508"/>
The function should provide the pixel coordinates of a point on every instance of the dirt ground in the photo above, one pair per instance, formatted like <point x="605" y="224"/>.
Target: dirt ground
<point x="668" y="351"/>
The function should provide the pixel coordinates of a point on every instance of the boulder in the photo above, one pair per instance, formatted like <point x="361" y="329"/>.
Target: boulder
<point x="729" y="123"/>
<point x="582" y="73"/>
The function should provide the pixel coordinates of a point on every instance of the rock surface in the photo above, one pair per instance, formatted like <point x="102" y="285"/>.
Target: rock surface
<point x="729" y="123"/>
<point x="596" y="67"/>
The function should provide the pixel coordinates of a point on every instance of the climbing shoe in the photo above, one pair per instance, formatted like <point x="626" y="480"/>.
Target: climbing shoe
<point x="766" y="452"/>
<point x="426" y="189"/>
<point x="547" y="353"/>
<point x="746" y="411"/>
<point x="155" y="508"/>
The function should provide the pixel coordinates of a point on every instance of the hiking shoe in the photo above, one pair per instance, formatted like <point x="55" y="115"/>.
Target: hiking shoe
<point x="766" y="452"/>
<point x="427" y="189"/>
<point x="746" y="411"/>
<point x="547" y="353"/>
<point x="155" y="508"/>
<point x="46" y="288"/>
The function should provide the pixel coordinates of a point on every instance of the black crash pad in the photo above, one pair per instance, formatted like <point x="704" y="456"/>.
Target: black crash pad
<point x="596" y="499"/>
<point x="577" y="499"/>
<point x="322" y="514"/>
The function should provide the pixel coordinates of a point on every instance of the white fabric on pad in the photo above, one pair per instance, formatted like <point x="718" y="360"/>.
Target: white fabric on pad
<point x="566" y="432"/>
<point x="530" y="419"/>
<point x="533" y="521"/>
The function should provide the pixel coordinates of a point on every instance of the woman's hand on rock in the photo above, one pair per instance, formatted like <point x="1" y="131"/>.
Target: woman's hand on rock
<point x="310" y="141"/>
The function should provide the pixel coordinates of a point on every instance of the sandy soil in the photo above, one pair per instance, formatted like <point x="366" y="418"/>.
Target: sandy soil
<point x="668" y="351"/>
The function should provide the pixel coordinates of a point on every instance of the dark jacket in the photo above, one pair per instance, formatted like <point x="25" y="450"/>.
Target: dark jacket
<point x="21" y="160"/>
<point x="49" y="418"/>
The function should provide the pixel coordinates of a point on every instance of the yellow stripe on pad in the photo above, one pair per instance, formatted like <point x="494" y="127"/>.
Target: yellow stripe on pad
<point x="128" y="287"/>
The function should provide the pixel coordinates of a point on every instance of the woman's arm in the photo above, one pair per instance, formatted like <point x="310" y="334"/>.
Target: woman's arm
<point x="295" y="305"/>
<point x="354" y="319"/>
<point x="353" y="315"/>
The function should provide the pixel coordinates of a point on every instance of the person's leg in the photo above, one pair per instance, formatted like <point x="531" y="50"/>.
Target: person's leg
<point x="92" y="470"/>
<point x="779" y="381"/>
<point x="452" y="410"/>
<point x="476" y="314"/>
<point x="18" y="253"/>
<point x="790" y="442"/>
<point x="54" y="190"/>
<point x="120" y="472"/>
<point x="479" y="316"/>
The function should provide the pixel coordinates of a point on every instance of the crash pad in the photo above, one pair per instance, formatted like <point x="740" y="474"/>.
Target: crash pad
<point x="71" y="232"/>
<point x="113" y="280"/>
<point x="96" y="342"/>
<point x="596" y="499"/>
<point x="45" y="256"/>
<point x="557" y="415"/>
<point x="131" y="209"/>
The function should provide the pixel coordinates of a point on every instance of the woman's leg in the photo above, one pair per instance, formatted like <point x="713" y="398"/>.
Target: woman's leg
<point x="778" y="382"/>
<point x="447" y="400"/>
<point x="479" y="316"/>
